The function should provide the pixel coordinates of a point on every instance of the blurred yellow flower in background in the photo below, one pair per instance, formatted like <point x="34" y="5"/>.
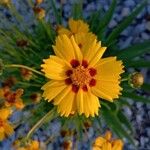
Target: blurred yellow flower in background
<point x="75" y="27"/>
<point x="5" y="128"/>
<point x="5" y="2"/>
<point x="12" y="98"/>
<point x="106" y="143"/>
<point x="32" y="145"/>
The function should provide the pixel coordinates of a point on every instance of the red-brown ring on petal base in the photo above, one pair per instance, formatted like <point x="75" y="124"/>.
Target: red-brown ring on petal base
<point x="84" y="63"/>
<point x="74" y="63"/>
<point x="68" y="81"/>
<point x="69" y="72"/>
<point x="92" y="71"/>
<point x="75" y="88"/>
<point x="84" y="88"/>
<point x="92" y="82"/>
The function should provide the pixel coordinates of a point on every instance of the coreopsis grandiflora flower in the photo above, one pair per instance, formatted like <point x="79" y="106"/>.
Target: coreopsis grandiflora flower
<point x="79" y="77"/>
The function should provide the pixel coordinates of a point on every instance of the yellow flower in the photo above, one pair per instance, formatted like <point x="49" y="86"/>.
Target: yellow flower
<point x="78" y="77"/>
<point x="75" y="27"/>
<point x="67" y="145"/>
<point x="80" y="30"/>
<point x="5" y="2"/>
<point x="5" y="128"/>
<point x="84" y="40"/>
<point x="12" y="98"/>
<point x="33" y="145"/>
<point x="38" y="2"/>
<point x="39" y="12"/>
<point x="106" y="143"/>
<point x="117" y="144"/>
<point x="26" y="74"/>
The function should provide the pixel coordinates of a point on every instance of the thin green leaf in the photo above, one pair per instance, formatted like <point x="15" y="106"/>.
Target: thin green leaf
<point x="125" y="23"/>
<point x="94" y="19"/>
<point x="77" y="10"/>
<point x="56" y="12"/>
<point x="114" y="123"/>
<point x="124" y="120"/>
<point x="138" y="64"/>
<point x="136" y="98"/>
<point x="134" y="51"/>
<point x="106" y="18"/>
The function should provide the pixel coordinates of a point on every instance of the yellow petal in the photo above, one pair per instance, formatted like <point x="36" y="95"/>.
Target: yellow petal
<point x="62" y="30"/>
<point x="52" y="89"/>
<point x="98" y="92"/>
<point x="91" y="104"/>
<point x="54" y="68"/>
<point x="64" y="48"/>
<point x="82" y="38"/>
<point x="79" y="100"/>
<point x="97" y="56"/>
<point x="77" y="50"/>
<point x="8" y="129"/>
<point x="107" y="79"/>
<point x="34" y="145"/>
<point x="78" y="26"/>
<point x="106" y="146"/>
<point x="99" y="141"/>
<point x="96" y="148"/>
<point x="93" y="52"/>
<point x="19" y="104"/>
<point x="66" y="104"/>
<point x="117" y="144"/>
<point x="108" y="135"/>
<point x="109" y="68"/>
<point x="61" y="95"/>
<point x="2" y="134"/>
<point x="4" y="113"/>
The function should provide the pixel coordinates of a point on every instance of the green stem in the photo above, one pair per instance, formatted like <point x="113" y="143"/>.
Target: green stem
<point x="28" y="84"/>
<point x="49" y="116"/>
<point x="22" y="66"/>
<point x="124" y="79"/>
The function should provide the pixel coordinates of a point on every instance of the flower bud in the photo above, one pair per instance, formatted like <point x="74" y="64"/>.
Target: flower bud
<point x="9" y="82"/>
<point x="136" y="80"/>
<point x="40" y="12"/>
<point x="26" y="74"/>
<point x="87" y="124"/>
<point x="117" y="144"/>
<point x="67" y="145"/>
<point x="5" y="2"/>
<point x="22" y="43"/>
<point x="38" y="2"/>
<point x="35" y="97"/>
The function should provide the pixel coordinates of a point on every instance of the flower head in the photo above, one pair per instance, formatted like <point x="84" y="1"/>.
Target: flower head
<point x="5" y="2"/>
<point x="39" y="12"/>
<point x="38" y="2"/>
<point x="79" y="77"/>
<point x="106" y="143"/>
<point x="12" y="98"/>
<point x="32" y="145"/>
<point x="5" y="128"/>
<point x="80" y="30"/>
<point x="26" y="74"/>
<point x="136" y="80"/>
<point x="67" y="145"/>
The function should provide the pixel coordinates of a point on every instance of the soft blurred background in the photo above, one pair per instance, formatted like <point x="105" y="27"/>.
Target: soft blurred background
<point x="138" y="31"/>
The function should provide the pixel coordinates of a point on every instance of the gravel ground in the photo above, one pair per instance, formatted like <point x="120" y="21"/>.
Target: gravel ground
<point x="137" y="32"/>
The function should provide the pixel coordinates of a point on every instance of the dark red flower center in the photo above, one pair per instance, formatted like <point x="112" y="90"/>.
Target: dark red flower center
<point x="80" y="76"/>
